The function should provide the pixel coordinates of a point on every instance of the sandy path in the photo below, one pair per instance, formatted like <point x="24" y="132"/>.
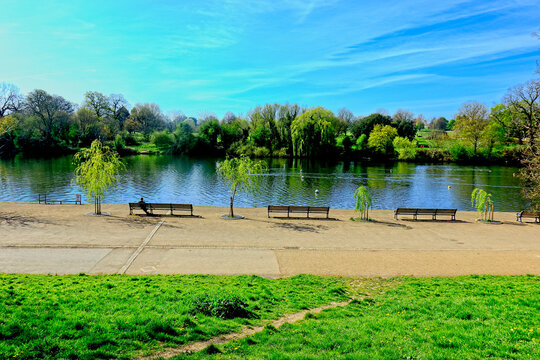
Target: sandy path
<point x="63" y="239"/>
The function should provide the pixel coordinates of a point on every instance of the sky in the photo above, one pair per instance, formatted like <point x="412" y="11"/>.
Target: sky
<point x="427" y="57"/>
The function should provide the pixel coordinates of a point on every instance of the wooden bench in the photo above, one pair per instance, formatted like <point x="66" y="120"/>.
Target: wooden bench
<point x="151" y="207"/>
<point x="307" y="210"/>
<point x="425" y="212"/>
<point x="42" y="198"/>
<point x="528" y="214"/>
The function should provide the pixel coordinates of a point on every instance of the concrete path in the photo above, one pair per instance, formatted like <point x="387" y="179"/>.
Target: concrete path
<point x="62" y="239"/>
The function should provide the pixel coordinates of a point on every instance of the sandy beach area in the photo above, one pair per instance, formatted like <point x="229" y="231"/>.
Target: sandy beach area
<point x="64" y="239"/>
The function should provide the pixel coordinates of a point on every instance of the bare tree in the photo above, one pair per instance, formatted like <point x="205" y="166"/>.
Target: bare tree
<point x="10" y="99"/>
<point x="228" y="118"/>
<point x="116" y="102"/>
<point x="403" y="115"/>
<point x="525" y="100"/>
<point x="345" y="115"/>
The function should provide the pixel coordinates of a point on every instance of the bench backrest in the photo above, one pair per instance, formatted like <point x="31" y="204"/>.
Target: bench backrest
<point x="406" y="210"/>
<point x="298" y="208"/>
<point x="319" y="209"/>
<point x="446" y="211"/>
<point x="426" y="211"/>
<point x="278" y="208"/>
<point x="530" y="213"/>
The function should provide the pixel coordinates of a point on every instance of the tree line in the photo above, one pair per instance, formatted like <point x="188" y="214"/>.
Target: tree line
<point x="43" y="123"/>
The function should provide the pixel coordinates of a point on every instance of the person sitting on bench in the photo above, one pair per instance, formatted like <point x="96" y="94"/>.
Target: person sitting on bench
<point x="142" y="204"/>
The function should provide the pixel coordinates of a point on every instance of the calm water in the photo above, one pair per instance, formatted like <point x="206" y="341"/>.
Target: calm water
<point x="288" y="182"/>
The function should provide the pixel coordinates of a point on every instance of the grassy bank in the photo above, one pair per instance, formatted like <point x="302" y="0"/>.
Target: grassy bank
<point x="432" y="318"/>
<point x="118" y="317"/>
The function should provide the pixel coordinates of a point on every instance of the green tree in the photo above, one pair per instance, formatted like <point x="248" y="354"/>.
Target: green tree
<point x="471" y="120"/>
<point x="363" y="202"/>
<point x="97" y="170"/>
<point x="97" y="103"/>
<point x="49" y="109"/>
<point x="530" y="174"/>
<point x="380" y="139"/>
<point x="241" y="173"/>
<point x="481" y="200"/>
<point x="405" y="148"/>
<point x="366" y="124"/>
<point x="314" y="132"/>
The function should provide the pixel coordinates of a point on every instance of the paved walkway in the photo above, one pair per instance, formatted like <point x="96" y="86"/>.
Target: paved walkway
<point x="62" y="239"/>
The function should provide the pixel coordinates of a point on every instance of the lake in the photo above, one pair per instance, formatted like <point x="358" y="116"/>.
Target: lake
<point x="288" y="182"/>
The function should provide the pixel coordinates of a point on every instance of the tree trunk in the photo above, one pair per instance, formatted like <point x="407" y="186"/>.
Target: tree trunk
<point x="97" y="205"/>
<point x="232" y="201"/>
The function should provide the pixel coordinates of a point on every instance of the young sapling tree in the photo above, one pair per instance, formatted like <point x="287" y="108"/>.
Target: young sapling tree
<point x="97" y="170"/>
<point x="241" y="173"/>
<point x="363" y="202"/>
<point x="483" y="203"/>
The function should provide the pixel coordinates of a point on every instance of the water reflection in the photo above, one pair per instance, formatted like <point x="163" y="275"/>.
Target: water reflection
<point x="294" y="182"/>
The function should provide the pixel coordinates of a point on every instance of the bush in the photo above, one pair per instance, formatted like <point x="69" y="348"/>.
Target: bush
<point x="162" y="139"/>
<point x="405" y="148"/>
<point x="224" y="306"/>
<point x="459" y="153"/>
<point x="380" y="139"/>
<point x="119" y="143"/>
<point x="361" y="142"/>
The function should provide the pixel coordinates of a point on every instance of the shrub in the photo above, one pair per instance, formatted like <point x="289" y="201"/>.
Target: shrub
<point x="224" y="306"/>
<point x="162" y="139"/>
<point x="380" y="139"/>
<point x="361" y="142"/>
<point x="459" y="153"/>
<point x="405" y="148"/>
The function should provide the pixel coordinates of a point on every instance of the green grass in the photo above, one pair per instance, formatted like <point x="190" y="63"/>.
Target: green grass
<point x="146" y="148"/>
<point x="476" y="317"/>
<point x="119" y="317"/>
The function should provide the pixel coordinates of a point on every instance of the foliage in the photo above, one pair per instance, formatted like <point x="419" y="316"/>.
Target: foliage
<point x="366" y="124"/>
<point x="471" y="121"/>
<point x="241" y="173"/>
<point x="405" y="148"/>
<point x="162" y="139"/>
<point x="530" y="174"/>
<point x="97" y="170"/>
<point x="524" y="102"/>
<point x="221" y="305"/>
<point x="121" y="317"/>
<point x="363" y="202"/>
<point x="313" y="133"/>
<point x="481" y="200"/>
<point x="380" y="139"/>
<point x="361" y="142"/>
<point x="451" y="318"/>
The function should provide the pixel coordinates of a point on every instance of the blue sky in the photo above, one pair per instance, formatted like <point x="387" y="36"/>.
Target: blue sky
<point x="427" y="57"/>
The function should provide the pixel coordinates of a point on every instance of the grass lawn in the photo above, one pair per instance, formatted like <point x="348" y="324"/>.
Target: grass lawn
<point x="475" y="317"/>
<point x="119" y="317"/>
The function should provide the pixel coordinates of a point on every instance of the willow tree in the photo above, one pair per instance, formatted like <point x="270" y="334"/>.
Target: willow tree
<point x="97" y="170"/>
<point x="363" y="202"/>
<point x="314" y="132"/>
<point x="481" y="200"/>
<point x="241" y="173"/>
